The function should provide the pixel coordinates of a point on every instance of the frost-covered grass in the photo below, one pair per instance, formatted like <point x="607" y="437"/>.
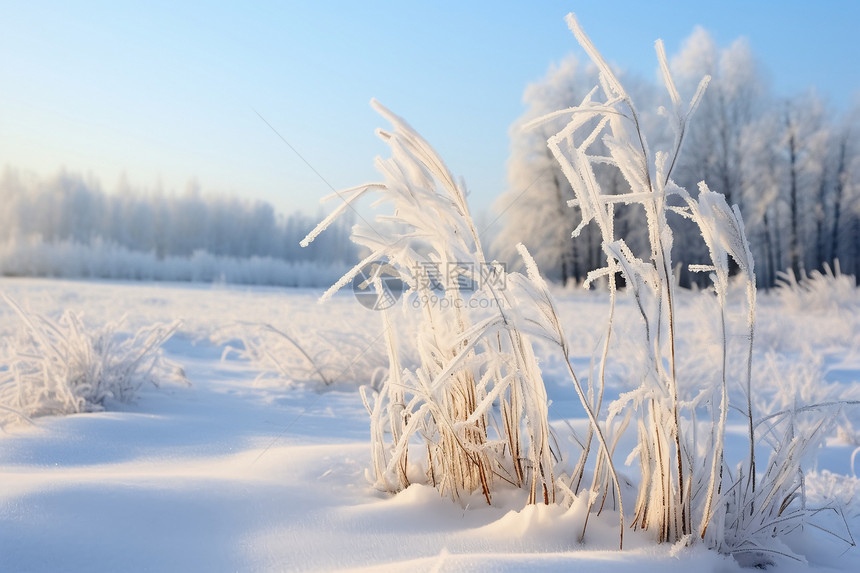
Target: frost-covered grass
<point x="683" y="473"/>
<point x="689" y="488"/>
<point x="53" y="367"/>
<point x="829" y="290"/>
<point x="475" y="400"/>
<point x="321" y="358"/>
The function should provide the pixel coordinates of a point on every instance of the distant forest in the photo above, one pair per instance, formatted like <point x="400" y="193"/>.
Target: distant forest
<point x="69" y="226"/>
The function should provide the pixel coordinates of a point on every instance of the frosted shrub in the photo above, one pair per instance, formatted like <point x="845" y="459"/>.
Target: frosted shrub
<point x="63" y="367"/>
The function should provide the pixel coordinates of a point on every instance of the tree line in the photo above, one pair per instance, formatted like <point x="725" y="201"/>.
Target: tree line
<point x="71" y="208"/>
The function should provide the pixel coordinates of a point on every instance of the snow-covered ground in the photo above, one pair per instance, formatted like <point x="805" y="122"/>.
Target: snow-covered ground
<point x="239" y="472"/>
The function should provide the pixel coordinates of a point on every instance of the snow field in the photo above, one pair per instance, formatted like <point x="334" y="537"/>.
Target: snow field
<point x="240" y="473"/>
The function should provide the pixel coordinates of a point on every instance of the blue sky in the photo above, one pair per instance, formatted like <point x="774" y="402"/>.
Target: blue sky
<point x="169" y="92"/>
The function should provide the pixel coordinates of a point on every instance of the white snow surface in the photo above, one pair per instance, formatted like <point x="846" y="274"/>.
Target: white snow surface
<point x="239" y="472"/>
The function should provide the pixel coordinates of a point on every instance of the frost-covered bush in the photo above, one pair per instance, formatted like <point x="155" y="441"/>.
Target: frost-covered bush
<point x="63" y="367"/>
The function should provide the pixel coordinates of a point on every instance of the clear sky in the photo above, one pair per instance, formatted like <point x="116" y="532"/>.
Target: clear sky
<point x="169" y="91"/>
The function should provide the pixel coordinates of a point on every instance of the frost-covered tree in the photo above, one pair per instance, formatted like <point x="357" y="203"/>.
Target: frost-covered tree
<point x="535" y="204"/>
<point x="763" y="181"/>
<point x="715" y="143"/>
<point x="805" y="146"/>
<point x="734" y="96"/>
<point x="843" y="204"/>
<point x="798" y="171"/>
